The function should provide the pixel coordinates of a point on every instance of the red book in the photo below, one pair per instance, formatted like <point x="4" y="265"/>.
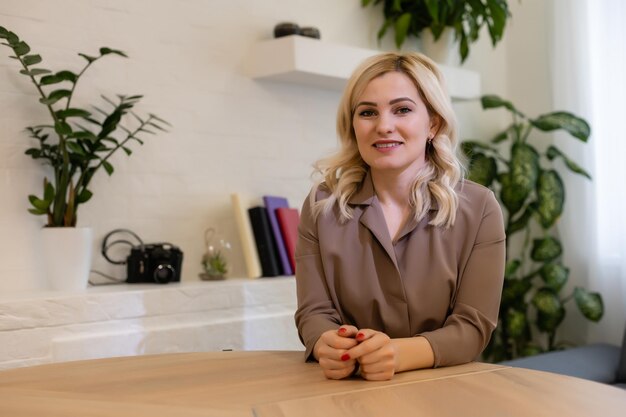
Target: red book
<point x="288" y="220"/>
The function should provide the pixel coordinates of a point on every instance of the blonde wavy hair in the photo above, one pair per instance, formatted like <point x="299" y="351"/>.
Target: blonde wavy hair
<point x="343" y="172"/>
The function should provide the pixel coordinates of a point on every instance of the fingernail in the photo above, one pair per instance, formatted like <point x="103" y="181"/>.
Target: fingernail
<point x="345" y="357"/>
<point x="342" y="330"/>
<point x="360" y="335"/>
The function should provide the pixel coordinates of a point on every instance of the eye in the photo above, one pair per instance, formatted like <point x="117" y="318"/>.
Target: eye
<point x="403" y="110"/>
<point x="367" y="113"/>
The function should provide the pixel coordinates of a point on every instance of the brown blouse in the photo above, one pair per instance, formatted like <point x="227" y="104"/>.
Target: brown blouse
<point x="442" y="284"/>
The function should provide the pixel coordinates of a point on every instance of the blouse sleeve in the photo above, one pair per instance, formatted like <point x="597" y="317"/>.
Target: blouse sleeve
<point x="474" y="315"/>
<point x="316" y="312"/>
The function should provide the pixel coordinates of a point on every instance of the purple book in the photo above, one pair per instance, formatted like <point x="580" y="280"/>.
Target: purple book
<point x="271" y="204"/>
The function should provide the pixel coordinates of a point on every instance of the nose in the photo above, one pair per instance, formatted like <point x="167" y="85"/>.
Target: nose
<point x="385" y="124"/>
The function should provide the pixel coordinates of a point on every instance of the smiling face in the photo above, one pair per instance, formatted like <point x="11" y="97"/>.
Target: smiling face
<point x="392" y="125"/>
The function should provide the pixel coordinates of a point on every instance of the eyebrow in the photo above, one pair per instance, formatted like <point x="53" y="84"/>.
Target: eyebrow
<point x="394" y="101"/>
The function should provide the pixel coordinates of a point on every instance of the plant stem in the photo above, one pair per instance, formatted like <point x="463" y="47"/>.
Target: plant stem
<point x="69" y="98"/>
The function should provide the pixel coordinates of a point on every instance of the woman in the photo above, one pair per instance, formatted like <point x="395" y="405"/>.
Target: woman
<point x="399" y="262"/>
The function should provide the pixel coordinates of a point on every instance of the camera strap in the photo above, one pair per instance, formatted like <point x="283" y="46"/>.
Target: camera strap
<point x="106" y="245"/>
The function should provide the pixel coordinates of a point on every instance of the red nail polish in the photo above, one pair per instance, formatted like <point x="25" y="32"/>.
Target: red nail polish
<point x="345" y="357"/>
<point x="342" y="330"/>
<point x="360" y="335"/>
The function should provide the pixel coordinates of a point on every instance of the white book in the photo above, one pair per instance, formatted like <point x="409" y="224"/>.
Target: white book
<point x="246" y="236"/>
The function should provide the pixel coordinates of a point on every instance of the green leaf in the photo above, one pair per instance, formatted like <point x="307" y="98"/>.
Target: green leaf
<point x="37" y="212"/>
<point x="498" y="11"/>
<point x="469" y="147"/>
<point x="107" y="51"/>
<point x="402" y="28"/>
<point x="62" y="128"/>
<point x="589" y="303"/>
<point x="107" y="167"/>
<point x="83" y="134"/>
<point x="38" y="203"/>
<point x="554" y="275"/>
<point x="524" y="167"/>
<point x="55" y="96"/>
<point x="520" y="181"/>
<point x="433" y="9"/>
<point x="76" y="148"/>
<point x="493" y="102"/>
<point x="72" y="112"/>
<point x="383" y="29"/>
<point x="397" y="6"/>
<point x="84" y="196"/>
<point x="4" y="32"/>
<point x="514" y="291"/>
<point x="550" y="198"/>
<point x="483" y="169"/>
<point x="34" y="72"/>
<point x="127" y="150"/>
<point x="48" y="193"/>
<point x="516" y="323"/>
<point x="31" y="59"/>
<point x="21" y="48"/>
<point x="547" y="301"/>
<point x="89" y="58"/>
<point x="463" y="47"/>
<point x="500" y="137"/>
<point x="67" y="76"/>
<point x="50" y="79"/>
<point x="546" y="249"/>
<point x="575" y="125"/>
<point x="550" y="311"/>
<point x="12" y="38"/>
<point x="511" y="267"/>
<point x="520" y="222"/>
<point x="553" y="152"/>
<point x="549" y="322"/>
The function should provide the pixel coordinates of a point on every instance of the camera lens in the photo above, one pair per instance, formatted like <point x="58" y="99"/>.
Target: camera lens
<point x="163" y="273"/>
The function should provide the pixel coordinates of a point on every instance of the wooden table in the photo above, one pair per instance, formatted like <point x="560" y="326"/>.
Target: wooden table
<point x="277" y="384"/>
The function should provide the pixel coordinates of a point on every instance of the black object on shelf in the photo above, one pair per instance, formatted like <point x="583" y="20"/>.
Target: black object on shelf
<point x="286" y="29"/>
<point x="310" y="32"/>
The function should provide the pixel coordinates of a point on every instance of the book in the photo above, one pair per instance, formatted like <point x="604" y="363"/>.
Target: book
<point x="271" y="204"/>
<point x="246" y="236"/>
<point x="288" y="220"/>
<point x="265" y="245"/>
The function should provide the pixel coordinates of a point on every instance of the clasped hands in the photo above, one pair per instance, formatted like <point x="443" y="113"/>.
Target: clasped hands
<point x="338" y="352"/>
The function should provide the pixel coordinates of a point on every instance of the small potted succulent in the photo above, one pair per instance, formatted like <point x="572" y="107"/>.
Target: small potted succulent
<point x="76" y="143"/>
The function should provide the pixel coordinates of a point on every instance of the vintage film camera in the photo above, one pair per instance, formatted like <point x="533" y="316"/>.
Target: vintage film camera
<point x="147" y="263"/>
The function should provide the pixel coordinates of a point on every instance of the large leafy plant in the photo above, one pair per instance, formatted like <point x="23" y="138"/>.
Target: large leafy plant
<point x="532" y="195"/>
<point x="76" y="143"/>
<point x="464" y="17"/>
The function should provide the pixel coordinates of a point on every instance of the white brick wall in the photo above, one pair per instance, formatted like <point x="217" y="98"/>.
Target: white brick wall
<point x="230" y="133"/>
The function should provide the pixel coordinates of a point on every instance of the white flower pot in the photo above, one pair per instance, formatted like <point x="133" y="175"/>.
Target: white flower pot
<point x="67" y="256"/>
<point x="443" y="51"/>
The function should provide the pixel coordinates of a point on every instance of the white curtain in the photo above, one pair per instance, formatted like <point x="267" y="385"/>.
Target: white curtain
<point x="588" y="74"/>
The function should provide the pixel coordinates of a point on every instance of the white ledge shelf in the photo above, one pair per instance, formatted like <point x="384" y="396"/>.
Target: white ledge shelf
<point x="137" y="319"/>
<point x="302" y="60"/>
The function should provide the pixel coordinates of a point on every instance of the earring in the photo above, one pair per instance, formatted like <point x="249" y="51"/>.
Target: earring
<point x="430" y="139"/>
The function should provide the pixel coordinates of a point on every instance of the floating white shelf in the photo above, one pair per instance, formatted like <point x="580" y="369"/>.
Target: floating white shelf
<point x="302" y="60"/>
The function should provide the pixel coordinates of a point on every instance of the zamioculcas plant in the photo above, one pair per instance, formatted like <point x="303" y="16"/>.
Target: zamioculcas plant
<point x="75" y="142"/>
<point x="532" y="196"/>
<point x="464" y="17"/>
